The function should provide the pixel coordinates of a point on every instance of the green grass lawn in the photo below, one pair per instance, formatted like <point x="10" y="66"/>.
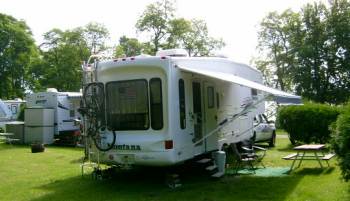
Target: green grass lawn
<point x="55" y="175"/>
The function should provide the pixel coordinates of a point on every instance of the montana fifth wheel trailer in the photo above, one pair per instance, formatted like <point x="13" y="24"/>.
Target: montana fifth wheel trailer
<point x="65" y="105"/>
<point x="166" y="109"/>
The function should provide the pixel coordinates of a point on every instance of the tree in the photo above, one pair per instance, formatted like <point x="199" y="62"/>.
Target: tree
<point x="166" y="31"/>
<point x="177" y="29"/>
<point x="128" y="47"/>
<point x="275" y="37"/>
<point x="63" y="53"/>
<point x="17" y="51"/>
<point x="95" y="35"/>
<point x="309" y="51"/>
<point x="154" y="20"/>
<point x="197" y="41"/>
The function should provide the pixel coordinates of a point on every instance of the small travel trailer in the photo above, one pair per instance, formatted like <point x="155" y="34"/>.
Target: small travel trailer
<point x="5" y="115"/>
<point x="166" y="109"/>
<point x="65" y="105"/>
<point x="15" y="107"/>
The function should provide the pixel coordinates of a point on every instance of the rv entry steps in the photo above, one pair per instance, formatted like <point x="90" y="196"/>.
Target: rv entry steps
<point x="204" y="160"/>
<point x="211" y="168"/>
<point x="218" y="175"/>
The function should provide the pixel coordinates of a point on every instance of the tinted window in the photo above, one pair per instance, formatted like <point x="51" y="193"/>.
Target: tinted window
<point x="254" y="92"/>
<point x="182" y="104"/>
<point x="217" y="100"/>
<point x="210" y="94"/>
<point x="127" y="105"/>
<point x="155" y="85"/>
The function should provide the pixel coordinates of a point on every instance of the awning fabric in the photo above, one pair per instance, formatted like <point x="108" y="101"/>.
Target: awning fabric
<point x="278" y="95"/>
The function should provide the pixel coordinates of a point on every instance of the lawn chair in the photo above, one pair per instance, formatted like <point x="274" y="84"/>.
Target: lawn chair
<point x="244" y="156"/>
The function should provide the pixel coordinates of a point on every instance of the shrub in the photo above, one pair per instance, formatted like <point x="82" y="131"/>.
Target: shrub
<point x="341" y="141"/>
<point x="307" y="123"/>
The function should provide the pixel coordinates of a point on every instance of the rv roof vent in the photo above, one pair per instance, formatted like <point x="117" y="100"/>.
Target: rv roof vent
<point x="51" y="90"/>
<point x="172" y="53"/>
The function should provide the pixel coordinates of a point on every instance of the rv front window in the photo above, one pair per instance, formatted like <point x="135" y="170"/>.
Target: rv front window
<point x="127" y="105"/>
<point x="155" y="85"/>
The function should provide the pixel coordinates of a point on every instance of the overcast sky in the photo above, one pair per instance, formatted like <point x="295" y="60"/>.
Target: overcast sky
<point x="236" y="21"/>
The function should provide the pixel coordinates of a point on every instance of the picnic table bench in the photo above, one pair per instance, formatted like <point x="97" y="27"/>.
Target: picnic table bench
<point x="309" y="152"/>
<point x="7" y="137"/>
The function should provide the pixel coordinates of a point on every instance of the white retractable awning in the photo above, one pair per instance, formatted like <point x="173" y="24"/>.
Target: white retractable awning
<point x="279" y="96"/>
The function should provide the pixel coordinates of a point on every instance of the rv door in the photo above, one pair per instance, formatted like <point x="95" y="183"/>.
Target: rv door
<point x="210" y="116"/>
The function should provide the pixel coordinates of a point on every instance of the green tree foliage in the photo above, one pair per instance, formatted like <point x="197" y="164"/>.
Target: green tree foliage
<point x="63" y="53"/>
<point x="308" y="51"/>
<point x="95" y="35"/>
<point x="193" y="36"/>
<point x="128" y="47"/>
<point x="62" y="56"/>
<point x="17" y="53"/>
<point x="275" y="37"/>
<point x="166" y="31"/>
<point x="308" y="123"/>
<point x="341" y="141"/>
<point x="154" y="20"/>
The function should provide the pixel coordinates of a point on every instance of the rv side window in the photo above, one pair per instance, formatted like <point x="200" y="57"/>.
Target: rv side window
<point x="155" y="86"/>
<point x="14" y="109"/>
<point x="210" y="94"/>
<point x="71" y="111"/>
<point x="182" y="104"/>
<point x="254" y="92"/>
<point x="127" y="105"/>
<point x="217" y="100"/>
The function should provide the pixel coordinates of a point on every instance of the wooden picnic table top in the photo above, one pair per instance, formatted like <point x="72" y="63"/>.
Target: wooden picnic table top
<point x="310" y="147"/>
<point x="6" y="134"/>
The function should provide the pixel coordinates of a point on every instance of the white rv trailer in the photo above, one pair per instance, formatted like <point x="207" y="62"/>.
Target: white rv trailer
<point x="166" y="109"/>
<point x="65" y="105"/>
<point x="15" y="107"/>
<point x="5" y="115"/>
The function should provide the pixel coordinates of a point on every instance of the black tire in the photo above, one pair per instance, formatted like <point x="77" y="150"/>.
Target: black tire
<point x="272" y="141"/>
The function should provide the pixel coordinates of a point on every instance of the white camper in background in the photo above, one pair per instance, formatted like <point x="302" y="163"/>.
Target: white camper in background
<point x="65" y="105"/>
<point x="5" y="115"/>
<point x="14" y="106"/>
<point x="163" y="110"/>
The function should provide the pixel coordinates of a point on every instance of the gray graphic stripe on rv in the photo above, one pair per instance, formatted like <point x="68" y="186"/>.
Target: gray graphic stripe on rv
<point x="60" y="105"/>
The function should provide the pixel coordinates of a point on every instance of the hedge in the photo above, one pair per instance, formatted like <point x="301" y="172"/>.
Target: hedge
<point x="341" y="141"/>
<point x="307" y="123"/>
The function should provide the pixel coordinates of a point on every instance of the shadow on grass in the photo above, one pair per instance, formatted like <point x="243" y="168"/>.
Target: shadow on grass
<point x="288" y="147"/>
<point x="314" y="171"/>
<point x="148" y="184"/>
<point x="5" y="146"/>
<point x="78" y="160"/>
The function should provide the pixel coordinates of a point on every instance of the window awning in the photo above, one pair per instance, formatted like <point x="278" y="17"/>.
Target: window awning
<point x="279" y="96"/>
